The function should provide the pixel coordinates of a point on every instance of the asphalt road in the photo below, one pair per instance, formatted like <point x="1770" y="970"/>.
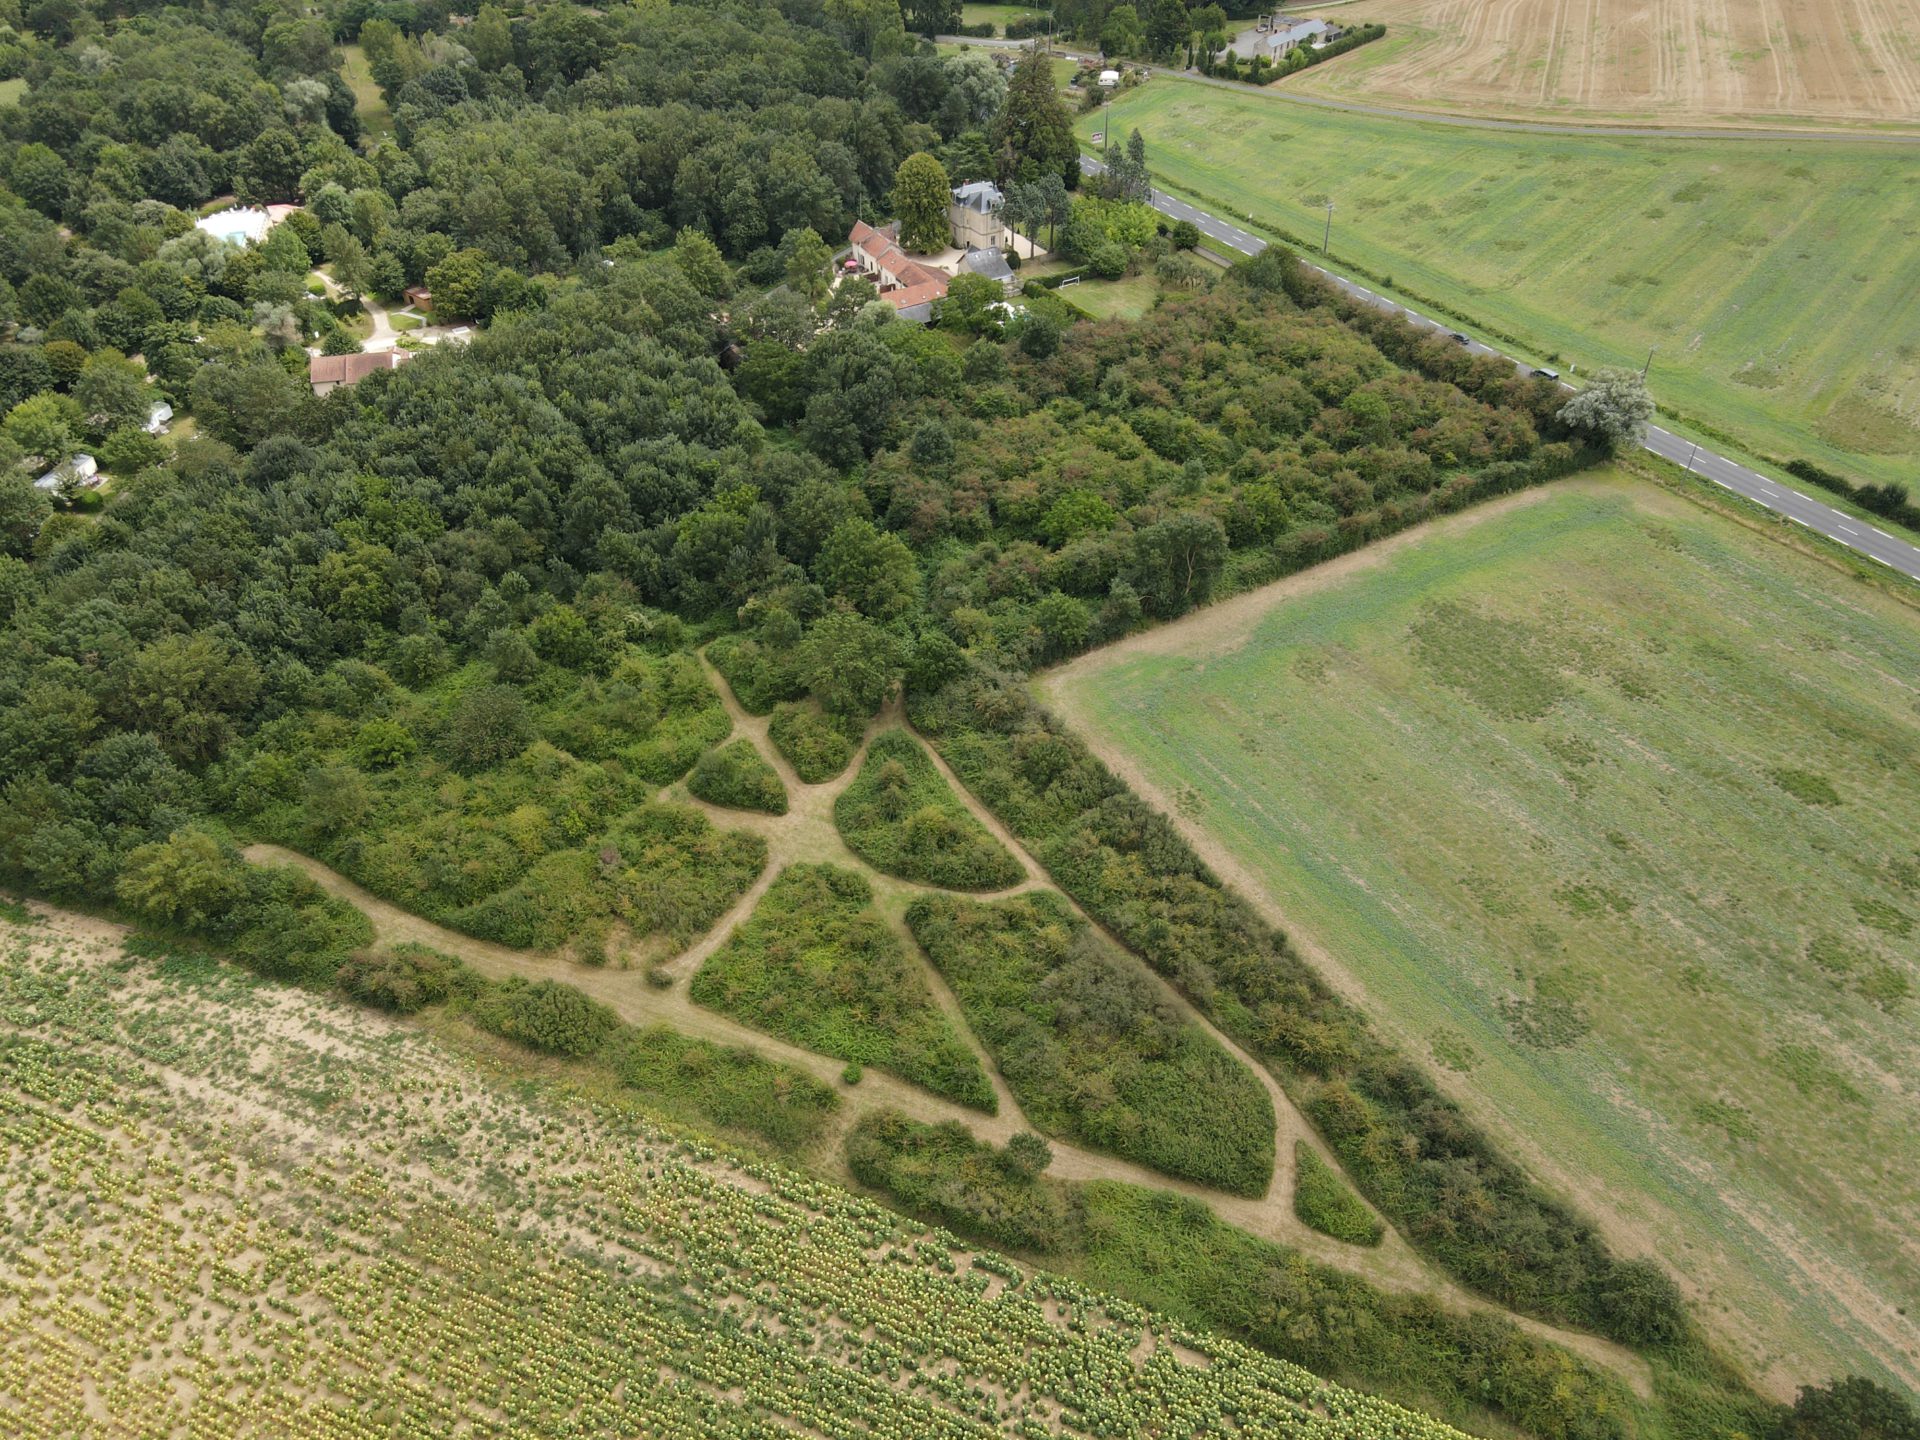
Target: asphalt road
<point x="1775" y="495"/>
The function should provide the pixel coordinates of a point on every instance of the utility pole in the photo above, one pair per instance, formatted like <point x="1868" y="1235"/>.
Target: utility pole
<point x="1649" y="365"/>
<point x="1692" y="455"/>
<point x="1327" y="238"/>
<point x="1106" y="127"/>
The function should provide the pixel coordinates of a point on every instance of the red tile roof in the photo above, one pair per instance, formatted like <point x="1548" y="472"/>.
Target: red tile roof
<point x="351" y="369"/>
<point x="914" y="283"/>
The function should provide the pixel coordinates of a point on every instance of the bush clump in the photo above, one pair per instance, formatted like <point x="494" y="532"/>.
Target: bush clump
<point x="736" y="775"/>
<point x="942" y="1172"/>
<point x="815" y="744"/>
<point x="815" y="965"/>
<point x="759" y="675"/>
<point x="1323" y="1202"/>
<point x="403" y="979"/>
<point x="546" y="1015"/>
<point x="901" y="817"/>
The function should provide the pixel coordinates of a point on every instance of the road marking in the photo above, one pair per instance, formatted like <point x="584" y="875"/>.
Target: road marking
<point x="1846" y="527"/>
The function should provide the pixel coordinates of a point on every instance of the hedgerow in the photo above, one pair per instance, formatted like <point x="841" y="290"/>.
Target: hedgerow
<point x="816" y="965"/>
<point x="1171" y="1252"/>
<point x="902" y="818"/>
<point x="1091" y="1047"/>
<point x="1409" y="1149"/>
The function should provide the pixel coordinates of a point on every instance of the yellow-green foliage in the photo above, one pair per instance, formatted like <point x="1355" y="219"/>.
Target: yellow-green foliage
<point x="1323" y="1200"/>
<point x="655" y="714"/>
<point x="1092" y="1048"/>
<point x="901" y="817"/>
<point x="194" y="1279"/>
<point x="816" y="745"/>
<point x="816" y="965"/>
<point x="738" y="775"/>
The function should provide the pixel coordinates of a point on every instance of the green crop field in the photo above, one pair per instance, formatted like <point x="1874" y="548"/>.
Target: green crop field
<point x="1774" y="279"/>
<point x="234" y="1209"/>
<point x="1610" y="805"/>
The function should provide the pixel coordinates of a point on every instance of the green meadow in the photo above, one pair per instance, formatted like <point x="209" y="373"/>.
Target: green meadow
<point x="1611" y="808"/>
<point x="1774" y="280"/>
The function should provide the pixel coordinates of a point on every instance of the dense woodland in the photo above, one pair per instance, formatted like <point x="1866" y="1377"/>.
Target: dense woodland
<point x="438" y="628"/>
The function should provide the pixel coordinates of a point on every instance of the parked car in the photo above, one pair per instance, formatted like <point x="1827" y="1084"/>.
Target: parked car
<point x="1546" y="374"/>
<point x="1460" y="339"/>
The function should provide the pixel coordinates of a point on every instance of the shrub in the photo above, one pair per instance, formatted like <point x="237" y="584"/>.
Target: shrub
<point x="760" y="677"/>
<point x="817" y="966"/>
<point x="289" y="928"/>
<point x="815" y="744"/>
<point x="737" y="776"/>
<point x="942" y="1172"/>
<point x="1323" y="1202"/>
<point x="1093" y="1049"/>
<point x="487" y="725"/>
<point x="1170" y="1252"/>
<point x="546" y="1015"/>
<point x="901" y="817"/>
<point x="404" y="979"/>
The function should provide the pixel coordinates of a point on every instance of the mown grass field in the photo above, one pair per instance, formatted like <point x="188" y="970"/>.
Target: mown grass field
<point x="1774" y="279"/>
<point x="375" y="118"/>
<point x="996" y="15"/>
<point x="1611" y="807"/>
<point x="1126" y="299"/>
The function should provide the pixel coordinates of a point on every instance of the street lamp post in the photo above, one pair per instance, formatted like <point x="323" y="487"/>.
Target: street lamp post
<point x="1327" y="238"/>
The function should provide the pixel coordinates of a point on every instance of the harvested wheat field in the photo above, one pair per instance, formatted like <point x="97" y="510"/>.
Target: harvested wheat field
<point x="1650" y="61"/>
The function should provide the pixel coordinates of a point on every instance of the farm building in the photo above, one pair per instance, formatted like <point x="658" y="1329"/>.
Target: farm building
<point x="1277" y="37"/>
<point x="906" y="284"/>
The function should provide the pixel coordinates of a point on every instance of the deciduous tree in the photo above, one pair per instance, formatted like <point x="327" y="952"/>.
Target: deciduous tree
<point x="920" y="198"/>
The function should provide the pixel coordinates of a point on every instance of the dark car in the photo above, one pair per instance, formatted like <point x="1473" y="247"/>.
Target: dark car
<point x="1546" y="374"/>
<point x="1460" y="339"/>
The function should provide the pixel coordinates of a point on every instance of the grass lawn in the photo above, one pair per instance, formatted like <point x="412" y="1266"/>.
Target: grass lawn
<point x="374" y="116"/>
<point x="1612" y="808"/>
<point x="1127" y="299"/>
<point x="13" y="91"/>
<point x="400" y="320"/>
<point x="996" y="15"/>
<point x="1773" y="279"/>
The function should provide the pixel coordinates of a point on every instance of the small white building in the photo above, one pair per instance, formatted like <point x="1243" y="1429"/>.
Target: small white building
<point x="159" y="418"/>
<point x="1109" y="78"/>
<point x="73" y="471"/>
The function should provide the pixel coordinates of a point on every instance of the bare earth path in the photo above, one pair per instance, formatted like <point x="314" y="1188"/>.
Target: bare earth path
<point x="807" y="834"/>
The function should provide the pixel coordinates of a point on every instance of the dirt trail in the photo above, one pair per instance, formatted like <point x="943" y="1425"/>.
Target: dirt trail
<point x="807" y="833"/>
